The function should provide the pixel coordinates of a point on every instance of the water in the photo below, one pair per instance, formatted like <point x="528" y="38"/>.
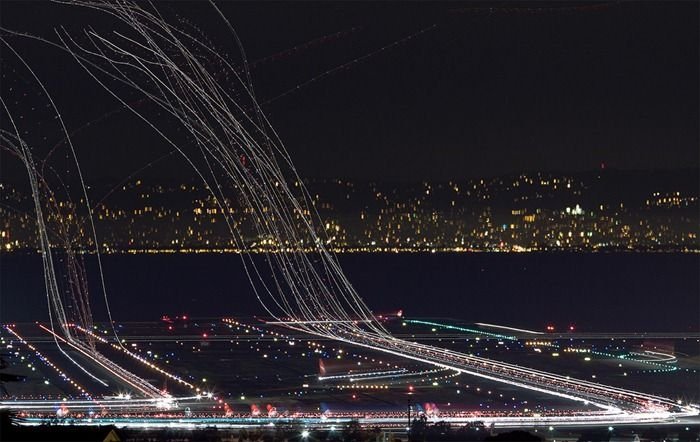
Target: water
<point x="597" y="292"/>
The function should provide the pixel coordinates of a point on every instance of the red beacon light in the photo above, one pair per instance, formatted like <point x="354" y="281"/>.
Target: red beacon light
<point x="572" y="328"/>
<point x="550" y="328"/>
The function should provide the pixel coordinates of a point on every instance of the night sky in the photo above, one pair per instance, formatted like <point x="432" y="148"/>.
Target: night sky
<point x="436" y="91"/>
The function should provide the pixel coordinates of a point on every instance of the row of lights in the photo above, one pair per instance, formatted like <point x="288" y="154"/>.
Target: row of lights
<point x="44" y="359"/>
<point x="137" y="357"/>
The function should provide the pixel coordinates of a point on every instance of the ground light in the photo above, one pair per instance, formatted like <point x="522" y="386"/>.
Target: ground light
<point x="305" y="434"/>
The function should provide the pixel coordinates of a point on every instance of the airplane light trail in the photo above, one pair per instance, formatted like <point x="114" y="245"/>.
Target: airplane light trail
<point x="46" y="360"/>
<point x="464" y="329"/>
<point x="137" y="383"/>
<point x="141" y="359"/>
<point x="232" y="148"/>
<point x="307" y="291"/>
<point x="484" y="324"/>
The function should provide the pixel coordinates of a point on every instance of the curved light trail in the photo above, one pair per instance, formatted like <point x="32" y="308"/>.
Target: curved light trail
<point x="234" y="150"/>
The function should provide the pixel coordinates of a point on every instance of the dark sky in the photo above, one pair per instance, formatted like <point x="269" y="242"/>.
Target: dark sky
<point x="472" y="92"/>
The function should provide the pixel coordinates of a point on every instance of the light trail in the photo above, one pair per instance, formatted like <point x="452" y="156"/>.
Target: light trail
<point x="405" y="375"/>
<point x="308" y="291"/>
<point x="144" y="403"/>
<point x="46" y="360"/>
<point x="245" y="166"/>
<point x="395" y="422"/>
<point x="658" y="356"/>
<point x="351" y="63"/>
<point x="317" y="322"/>
<point x="658" y="365"/>
<point x="351" y="376"/>
<point x="141" y="359"/>
<point x="612" y="399"/>
<point x="61" y="301"/>
<point x="137" y="383"/>
<point x="503" y="327"/>
<point x="464" y="329"/>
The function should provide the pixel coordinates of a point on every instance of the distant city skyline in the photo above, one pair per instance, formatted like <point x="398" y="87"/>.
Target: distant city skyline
<point x="605" y="210"/>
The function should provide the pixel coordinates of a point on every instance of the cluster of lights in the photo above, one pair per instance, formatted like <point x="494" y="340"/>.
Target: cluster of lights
<point x="540" y="343"/>
<point x="463" y="329"/>
<point x="363" y="387"/>
<point x="141" y="359"/>
<point x="140" y="384"/>
<point x="658" y="366"/>
<point x="318" y="348"/>
<point x="46" y="361"/>
<point x="318" y="300"/>
<point x="352" y="376"/>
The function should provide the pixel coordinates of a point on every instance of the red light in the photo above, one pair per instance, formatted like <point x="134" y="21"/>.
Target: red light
<point x="184" y="317"/>
<point x="410" y="387"/>
<point x="170" y="327"/>
<point x="204" y="335"/>
<point x="571" y="327"/>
